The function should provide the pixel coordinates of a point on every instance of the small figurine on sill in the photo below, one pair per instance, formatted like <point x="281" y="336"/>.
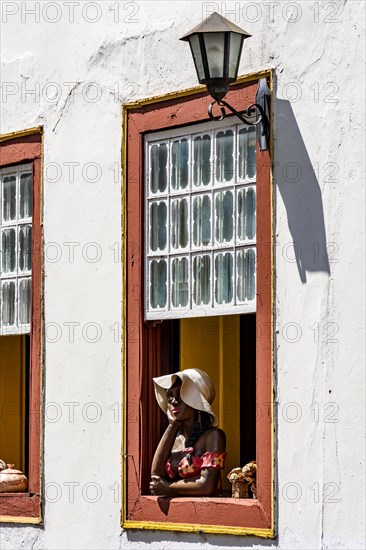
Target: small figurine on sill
<point x="11" y="480"/>
<point x="242" y="479"/>
<point x="191" y="452"/>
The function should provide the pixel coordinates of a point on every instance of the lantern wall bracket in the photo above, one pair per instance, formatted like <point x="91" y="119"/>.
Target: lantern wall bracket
<point x="249" y="112"/>
<point x="253" y="110"/>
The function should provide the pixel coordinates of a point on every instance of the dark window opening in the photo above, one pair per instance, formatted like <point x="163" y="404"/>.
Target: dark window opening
<point x="163" y="352"/>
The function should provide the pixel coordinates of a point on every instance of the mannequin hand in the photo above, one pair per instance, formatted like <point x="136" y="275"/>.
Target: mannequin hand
<point x="172" y="420"/>
<point x="159" y="486"/>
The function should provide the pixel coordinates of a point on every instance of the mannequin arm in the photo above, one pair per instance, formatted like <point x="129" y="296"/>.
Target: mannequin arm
<point x="204" y="484"/>
<point x="163" y="450"/>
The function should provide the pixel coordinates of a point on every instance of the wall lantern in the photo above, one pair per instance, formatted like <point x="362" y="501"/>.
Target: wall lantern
<point x="216" y="46"/>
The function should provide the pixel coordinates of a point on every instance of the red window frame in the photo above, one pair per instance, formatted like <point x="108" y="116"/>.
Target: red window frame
<point x="142" y="344"/>
<point x="19" y="148"/>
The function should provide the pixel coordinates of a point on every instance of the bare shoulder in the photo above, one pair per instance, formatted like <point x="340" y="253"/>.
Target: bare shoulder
<point x="214" y="440"/>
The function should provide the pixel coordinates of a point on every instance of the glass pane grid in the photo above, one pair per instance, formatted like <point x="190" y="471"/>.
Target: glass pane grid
<point x="15" y="249"/>
<point x="245" y="275"/>
<point x="158" y="168"/>
<point x="8" y="302"/>
<point x="8" y="251"/>
<point x="208" y="265"/>
<point x="180" y="295"/>
<point x="224" y="155"/>
<point x="246" y="153"/>
<point x="224" y="271"/>
<point x="180" y="234"/>
<point x="158" y="274"/>
<point x="245" y="215"/>
<point x="201" y="290"/>
<point x="202" y="216"/>
<point x="206" y="280"/>
<point x="24" y="300"/>
<point x="202" y="163"/>
<point x="180" y="165"/>
<point x="158" y="228"/>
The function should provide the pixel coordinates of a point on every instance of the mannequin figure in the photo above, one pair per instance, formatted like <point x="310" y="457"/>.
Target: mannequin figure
<point x="191" y="452"/>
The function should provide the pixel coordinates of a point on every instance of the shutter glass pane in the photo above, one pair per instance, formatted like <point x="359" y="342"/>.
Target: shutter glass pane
<point x="25" y="248"/>
<point x="24" y="301"/>
<point x="180" y="288"/>
<point x="224" y="278"/>
<point x="179" y="223"/>
<point x="158" y="167"/>
<point x="180" y="153"/>
<point x="224" y="156"/>
<point x="224" y="210"/>
<point x="250" y="275"/>
<point x="246" y="274"/>
<point x="158" y="226"/>
<point x="8" y="238"/>
<point x="158" y="283"/>
<point x="201" y="280"/>
<point x="8" y="302"/>
<point x="25" y="189"/>
<point x="201" y="220"/>
<point x="202" y="160"/>
<point x="246" y="208"/>
<point x="247" y="158"/>
<point x="9" y="198"/>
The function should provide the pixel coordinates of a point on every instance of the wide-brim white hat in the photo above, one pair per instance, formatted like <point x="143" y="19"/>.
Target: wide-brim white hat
<point x="197" y="390"/>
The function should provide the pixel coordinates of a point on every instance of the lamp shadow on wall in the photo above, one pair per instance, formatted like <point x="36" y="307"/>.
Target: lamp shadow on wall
<point x="299" y="188"/>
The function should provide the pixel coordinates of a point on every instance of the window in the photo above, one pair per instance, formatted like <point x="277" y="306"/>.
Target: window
<point x="16" y="249"/>
<point x="200" y="221"/>
<point x="20" y="318"/>
<point x="198" y="287"/>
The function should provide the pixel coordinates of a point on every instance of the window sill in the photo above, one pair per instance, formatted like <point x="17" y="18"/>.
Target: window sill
<point x="20" y="508"/>
<point x="213" y="515"/>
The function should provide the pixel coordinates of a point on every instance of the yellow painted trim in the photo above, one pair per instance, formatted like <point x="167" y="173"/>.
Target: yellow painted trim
<point x="126" y="524"/>
<point x="192" y="90"/>
<point x="19" y="519"/>
<point x="41" y="183"/>
<point x="42" y="341"/>
<point x="188" y="528"/>
<point x="21" y="133"/>
<point x="124" y="309"/>
<point x="273" y="274"/>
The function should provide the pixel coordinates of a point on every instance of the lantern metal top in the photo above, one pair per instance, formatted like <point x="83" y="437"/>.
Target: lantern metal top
<point x="215" y="23"/>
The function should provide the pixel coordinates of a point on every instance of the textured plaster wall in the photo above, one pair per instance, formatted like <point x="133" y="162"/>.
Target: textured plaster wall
<point x="71" y="74"/>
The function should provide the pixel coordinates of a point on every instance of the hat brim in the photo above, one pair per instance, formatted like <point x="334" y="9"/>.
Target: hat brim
<point x="191" y="392"/>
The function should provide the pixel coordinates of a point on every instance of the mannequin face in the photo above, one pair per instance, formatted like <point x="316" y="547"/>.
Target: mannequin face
<point x="178" y="409"/>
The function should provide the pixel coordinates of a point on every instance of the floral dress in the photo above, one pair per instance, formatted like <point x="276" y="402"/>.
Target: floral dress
<point x="191" y="465"/>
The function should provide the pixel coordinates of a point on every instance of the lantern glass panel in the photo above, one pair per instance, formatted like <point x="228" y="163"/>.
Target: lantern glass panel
<point x="215" y="51"/>
<point x="197" y="56"/>
<point x="235" y="45"/>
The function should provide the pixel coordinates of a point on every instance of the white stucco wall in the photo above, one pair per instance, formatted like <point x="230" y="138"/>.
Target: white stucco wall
<point x="81" y="72"/>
